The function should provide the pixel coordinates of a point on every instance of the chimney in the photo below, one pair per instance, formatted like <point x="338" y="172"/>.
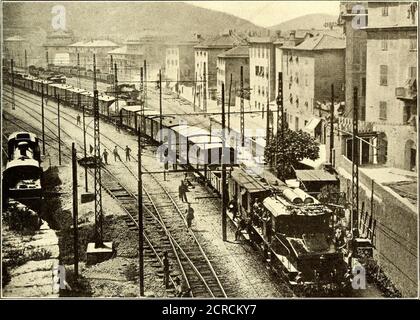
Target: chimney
<point x="292" y="35"/>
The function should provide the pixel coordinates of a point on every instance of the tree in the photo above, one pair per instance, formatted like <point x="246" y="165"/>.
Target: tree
<point x="296" y="146"/>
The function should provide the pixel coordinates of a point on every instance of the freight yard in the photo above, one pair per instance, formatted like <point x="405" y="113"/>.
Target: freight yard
<point x="117" y="183"/>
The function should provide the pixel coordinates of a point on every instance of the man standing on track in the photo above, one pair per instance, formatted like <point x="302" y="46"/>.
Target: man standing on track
<point x="116" y="155"/>
<point x="78" y="119"/>
<point x="189" y="215"/>
<point x="105" y="154"/>
<point x="127" y="153"/>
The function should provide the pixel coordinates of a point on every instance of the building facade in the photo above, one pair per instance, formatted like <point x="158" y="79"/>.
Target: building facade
<point x="309" y="70"/>
<point x="262" y="77"/>
<point x="86" y="49"/>
<point x="230" y="63"/>
<point x="179" y="61"/>
<point x="14" y="48"/>
<point x="56" y="47"/>
<point x="206" y="65"/>
<point x="353" y="17"/>
<point x="391" y="80"/>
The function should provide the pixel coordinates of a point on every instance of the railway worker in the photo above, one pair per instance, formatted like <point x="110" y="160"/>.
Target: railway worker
<point x="182" y="191"/>
<point x="116" y="155"/>
<point x="105" y="155"/>
<point x="190" y="215"/>
<point x="127" y="153"/>
<point x="166" y="268"/>
<point x="178" y="287"/>
<point x="78" y="120"/>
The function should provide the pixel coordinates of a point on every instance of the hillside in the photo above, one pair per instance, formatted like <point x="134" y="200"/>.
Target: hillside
<point x="309" y="21"/>
<point x="123" y="20"/>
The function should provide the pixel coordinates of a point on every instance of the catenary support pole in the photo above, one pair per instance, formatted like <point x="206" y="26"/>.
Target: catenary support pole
<point x="224" y="195"/>
<point x="75" y="212"/>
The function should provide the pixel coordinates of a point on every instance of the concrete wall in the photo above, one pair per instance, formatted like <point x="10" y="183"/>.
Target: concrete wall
<point x="400" y="139"/>
<point x="394" y="227"/>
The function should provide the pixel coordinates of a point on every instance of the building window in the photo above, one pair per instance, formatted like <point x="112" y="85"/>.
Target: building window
<point x="412" y="72"/>
<point x="413" y="43"/>
<point x="385" y="10"/>
<point x="384" y="43"/>
<point x="297" y="102"/>
<point x="256" y="70"/>
<point x="306" y="105"/>
<point x="306" y="80"/>
<point x="296" y="123"/>
<point x="291" y="98"/>
<point x="259" y="90"/>
<point x="382" y="110"/>
<point x="383" y="79"/>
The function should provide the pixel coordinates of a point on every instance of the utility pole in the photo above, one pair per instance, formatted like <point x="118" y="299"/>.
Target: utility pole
<point x="145" y="83"/>
<point x="332" y="125"/>
<point x="46" y="57"/>
<point x="355" y="162"/>
<point x="204" y="90"/>
<point x="160" y="104"/>
<point x="267" y="132"/>
<point x="116" y="91"/>
<point x="42" y="118"/>
<point x="140" y="204"/>
<point x="142" y="97"/>
<point x="26" y="61"/>
<point x="13" y="84"/>
<point x="242" y="109"/>
<point x="280" y="110"/>
<point x="224" y="195"/>
<point x="75" y="211"/>
<point x="78" y="70"/>
<point x="111" y="65"/>
<point x="195" y="91"/>
<point x="97" y="157"/>
<point x="59" y="130"/>
<point x="230" y="92"/>
<point x="84" y="144"/>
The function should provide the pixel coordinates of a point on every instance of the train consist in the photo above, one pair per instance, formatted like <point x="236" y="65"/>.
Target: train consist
<point x="23" y="175"/>
<point x="290" y="227"/>
<point x="70" y="71"/>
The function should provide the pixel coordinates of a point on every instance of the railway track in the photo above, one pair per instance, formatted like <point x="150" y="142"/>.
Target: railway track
<point x="169" y="228"/>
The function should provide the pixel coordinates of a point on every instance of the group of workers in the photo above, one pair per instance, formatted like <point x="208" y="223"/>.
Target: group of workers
<point x="115" y="154"/>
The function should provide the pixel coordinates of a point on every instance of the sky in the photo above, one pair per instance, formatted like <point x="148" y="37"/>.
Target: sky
<point x="268" y="13"/>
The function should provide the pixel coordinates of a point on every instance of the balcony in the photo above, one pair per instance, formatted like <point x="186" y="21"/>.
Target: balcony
<point x="405" y="93"/>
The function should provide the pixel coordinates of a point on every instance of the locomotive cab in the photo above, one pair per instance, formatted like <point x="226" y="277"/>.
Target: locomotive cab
<point x="301" y="242"/>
